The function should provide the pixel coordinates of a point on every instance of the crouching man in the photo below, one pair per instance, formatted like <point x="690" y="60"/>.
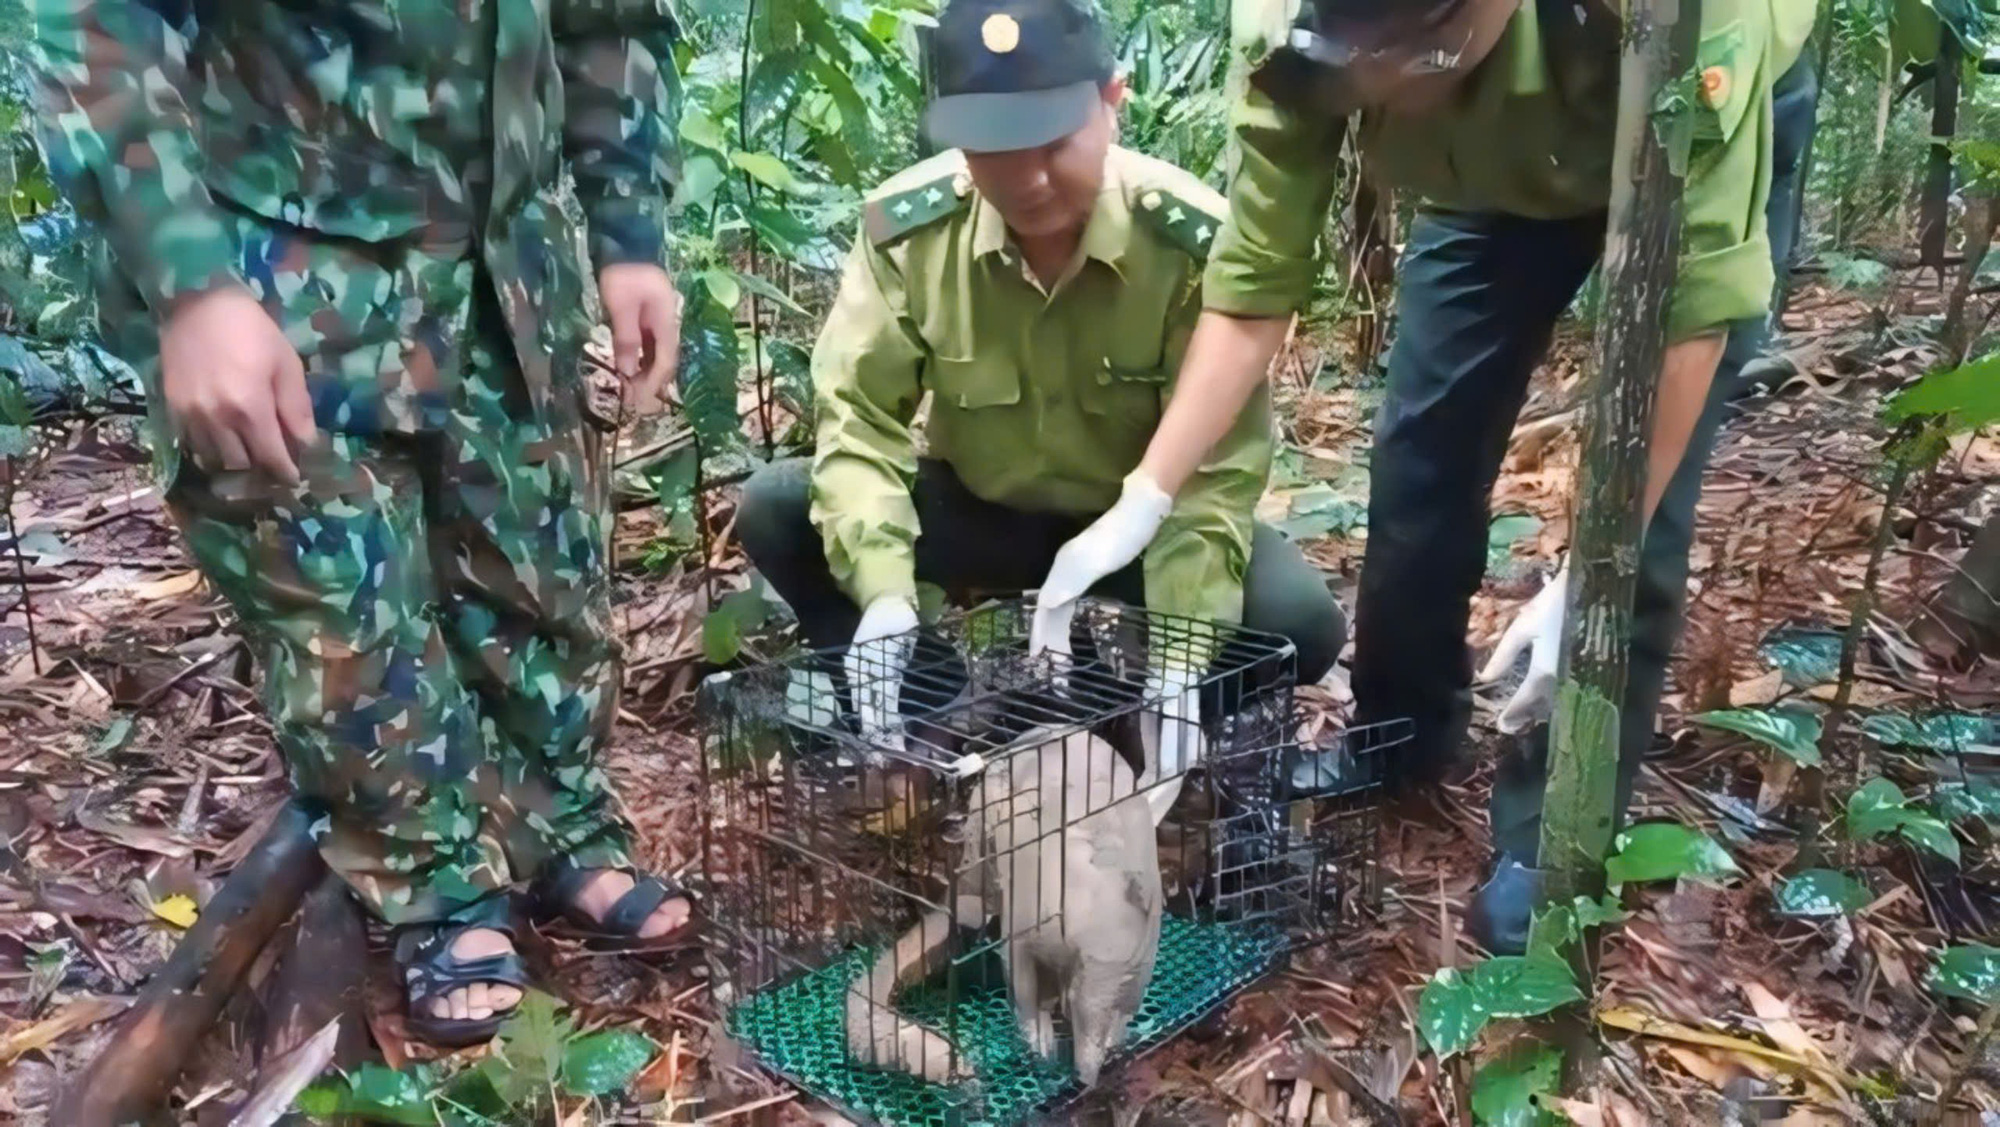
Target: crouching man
<point x="1039" y="284"/>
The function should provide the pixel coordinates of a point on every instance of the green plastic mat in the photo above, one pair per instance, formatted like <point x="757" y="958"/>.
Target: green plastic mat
<point x="798" y="1030"/>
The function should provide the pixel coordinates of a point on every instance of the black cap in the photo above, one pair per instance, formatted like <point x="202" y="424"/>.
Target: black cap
<point x="1015" y="74"/>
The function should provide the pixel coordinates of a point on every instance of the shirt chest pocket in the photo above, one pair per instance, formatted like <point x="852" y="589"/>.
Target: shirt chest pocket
<point x="973" y="383"/>
<point x="1128" y="383"/>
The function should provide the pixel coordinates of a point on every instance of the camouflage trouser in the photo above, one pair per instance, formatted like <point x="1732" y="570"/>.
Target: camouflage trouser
<point x="432" y="613"/>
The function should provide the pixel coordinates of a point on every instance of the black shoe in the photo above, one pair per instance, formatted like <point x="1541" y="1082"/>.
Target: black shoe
<point x="1504" y="907"/>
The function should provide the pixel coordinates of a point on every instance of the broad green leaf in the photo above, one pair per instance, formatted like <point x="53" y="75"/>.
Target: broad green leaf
<point x="1791" y="731"/>
<point x="723" y="628"/>
<point x="792" y="365"/>
<point x="1318" y="511"/>
<point x="1875" y="809"/>
<point x="1597" y="913"/>
<point x="771" y="88"/>
<point x="1667" y="851"/>
<point x="1806" y="656"/>
<point x="701" y="176"/>
<point x="532" y="1043"/>
<point x="15" y="409"/>
<point x="1504" y="532"/>
<point x="1970" y="971"/>
<point x="698" y="128"/>
<point x="768" y="292"/>
<point x="1505" y="1090"/>
<point x="16" y="442"/>
<point x="373" y="1092"/>
<point x="1926" y="831"/>
<point x="709" y="362"/>
<point x="115" y="734"/>
<point x="1969" y="395"/>
<point x="673" y="481"/>
<point x="1820" y="893"/>
<point x="1955" y="733"/>
<point x="1457" y="1004"/>
<point x="722" y="287"/>
<point x="1955" y="801"/>
<point x="603" y="1063"/>
<point x="770" y="171"/>
<point x="931" y="602"/>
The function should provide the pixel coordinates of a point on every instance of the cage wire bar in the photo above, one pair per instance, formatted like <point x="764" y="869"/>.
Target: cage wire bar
<point x="858" y="942"/>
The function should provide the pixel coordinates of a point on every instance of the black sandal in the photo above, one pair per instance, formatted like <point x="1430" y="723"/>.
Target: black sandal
<point x="556" y="895"/>
<point x="431" y="971"/>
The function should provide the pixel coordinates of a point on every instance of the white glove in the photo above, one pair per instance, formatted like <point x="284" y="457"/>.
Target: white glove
<point x="1537" y="628"/>
<point x="1112" y="541"/>
<point x="1179" y="747"/>
<point x="875" y="663"/>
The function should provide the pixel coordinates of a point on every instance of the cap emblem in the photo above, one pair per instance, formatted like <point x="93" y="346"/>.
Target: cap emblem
<point x="1000" y="33"/>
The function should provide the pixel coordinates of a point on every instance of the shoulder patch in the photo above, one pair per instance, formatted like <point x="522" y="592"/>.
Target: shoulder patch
<point x="1172" y="217"/>
<point x="896" y="214"/>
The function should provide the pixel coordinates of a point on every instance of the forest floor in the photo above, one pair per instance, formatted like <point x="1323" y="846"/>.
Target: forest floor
<point x="138" y="768"/>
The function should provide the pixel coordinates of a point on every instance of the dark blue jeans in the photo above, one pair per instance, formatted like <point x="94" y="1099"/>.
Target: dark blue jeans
<point x="1478" y="297"/>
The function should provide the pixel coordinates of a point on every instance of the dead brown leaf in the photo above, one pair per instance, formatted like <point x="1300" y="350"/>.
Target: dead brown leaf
<point x="81" y="1014"/>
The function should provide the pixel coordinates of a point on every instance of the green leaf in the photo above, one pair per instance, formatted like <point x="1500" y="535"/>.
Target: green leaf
<point x="769" y="292"/>
<point x="1821" y="893"/>
<point x="1956" y="801"/>
<point x="1505" y="1090"/>
<point x="1968" y="395"/>
<point x="1875" y="809"/>
<point x="1597" y="913"/>
<point x="1507" y="530"/>
<point x="709" y="362"/>
<point x="722" y="629"/>
<point x="374" y="1092"/>
<point x="1926" y="831"/>
<point x="722" y="287"/>
<point x="532" y="1045"/>
<point x="1457" y="1004"/>
<point x="769" y="171"/>
<point x="1954" y="733"/>
<point x="1970" y="971"/>
<point x="1667" y="851"/>
<point x="930" y="602"/>
<point x="1791" y="731"/>
<point x="16" y="442"/>
<point x="698" y="128"/>
<point x="115" y="734"/>
<point x="792" y="365"/>
<point x="673" y="481"/>
<point x="1318" y="511"/>
<point x="1806" y="656"/>
<point x="701" y="176"/>
<point x="14" y="406"/>
<point x="603" y="1063"/>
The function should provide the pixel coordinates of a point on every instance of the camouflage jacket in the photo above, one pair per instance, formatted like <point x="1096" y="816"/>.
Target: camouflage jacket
<point x="352" y="161"/>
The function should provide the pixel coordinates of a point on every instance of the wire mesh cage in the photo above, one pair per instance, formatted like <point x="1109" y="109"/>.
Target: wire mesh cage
<point x="898" y="920"/>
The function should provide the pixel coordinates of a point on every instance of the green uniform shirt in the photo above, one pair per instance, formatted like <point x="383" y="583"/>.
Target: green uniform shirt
<point x="1043" y="401"/>
<point x="394" y="144"/>
<point x="1530" y="133"/>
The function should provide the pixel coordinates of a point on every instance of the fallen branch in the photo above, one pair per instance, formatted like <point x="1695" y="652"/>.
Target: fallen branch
<point x="138" y="1067"/>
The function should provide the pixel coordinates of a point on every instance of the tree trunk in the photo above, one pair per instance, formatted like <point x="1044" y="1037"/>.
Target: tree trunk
<point x="320" y="978"/>
<point x="138" y="1066"/>
<point x="1642" y="248"/>
<point x="1982" y="215"/>
<point x="1932" y="228"/>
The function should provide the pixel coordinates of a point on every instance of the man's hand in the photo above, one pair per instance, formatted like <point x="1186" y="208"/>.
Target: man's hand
<point x="875" y="662"/>
<point x="1537" y="629"/>
<point x="644" y="310"/>
<point x="1112" y="541"/>
<point x="234" y="385"/>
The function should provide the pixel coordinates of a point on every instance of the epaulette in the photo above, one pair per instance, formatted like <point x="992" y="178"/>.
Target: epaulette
<point x="897" y="214"/>
<point x="1188" y="226"/>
